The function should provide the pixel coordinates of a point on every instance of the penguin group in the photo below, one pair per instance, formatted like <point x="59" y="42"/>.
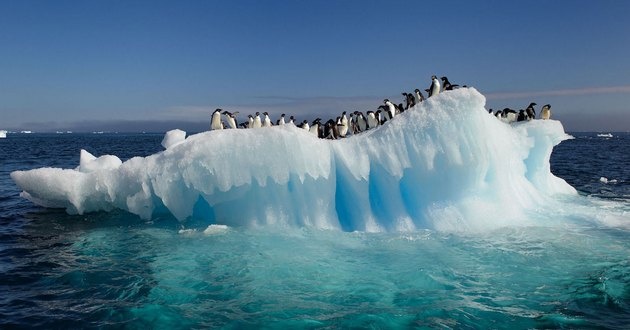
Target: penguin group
<point x="508" y="115"/>
<point x="348" y="123"/>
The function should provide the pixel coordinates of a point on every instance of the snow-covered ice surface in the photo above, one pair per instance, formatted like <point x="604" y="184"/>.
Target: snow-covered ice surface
<point x="445" y="164"/>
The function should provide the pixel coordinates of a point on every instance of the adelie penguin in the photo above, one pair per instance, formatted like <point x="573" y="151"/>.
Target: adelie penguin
<point x="446" y="85"/>
<point x="360" y="121"/>
<point x="330" y="130"/>
<point x="545" y="113"/>
<point x="391" y="109"/>
<point x="531" y="113"/>
<point x="257" y="123"/>
<point x="314" y="128"/>
<point x="410" y="100"/>
<point x="305" y="126"/>
<point x="266" y="120"/>
<point x="372" y="122"/>
<point x="435" y="86"/>
<point x="216" y="122"/>
<point x="281" y="120"/>
<point x="343" y="125"/>
<point x="419" y="96"/>
<point x="231" y="119"/>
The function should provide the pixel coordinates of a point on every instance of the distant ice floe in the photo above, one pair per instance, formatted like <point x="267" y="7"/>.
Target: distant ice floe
<point x="606" y="181"/>
<point x="444" y="164"/>
<point x="605" y="135"/>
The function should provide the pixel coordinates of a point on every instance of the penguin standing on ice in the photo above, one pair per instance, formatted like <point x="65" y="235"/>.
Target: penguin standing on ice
<point x="545" y="113"/>
<point x="257" y="123"/>
<point x="446" y="85"/>
<point x="531" y="113"/>
<point x="281" y="120"/>
<point x="360" y="121"/>
<point x="330" y="130"/>
<point x="522" y="116"/>
<point x="435" y="86"/>
<point x="342" y="125"/>
<point x="266" y="120"/>
<point x="419" y="96"/>
<point x="216" y="122"/>
<point x="231" y="119"/>
<point x="508" y="115"/>
<point x="315" y="127"/>
<point x="391" y="109"/>
<point x="250" y="121"/>
<point x="372" y="122"/>
<point x="305" y="126"/>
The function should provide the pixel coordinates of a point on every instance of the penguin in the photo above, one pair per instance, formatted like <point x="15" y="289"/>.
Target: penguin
<point x="343" y="126"/>
<point x="305" y="125"/>
<point x="498" y="114"/>
<point x="257" y="123"/>
<point x="379" y="116"/>
<point x="545" y="113"/>
<point x="372" y="122"/>
<point x="281" y="120"/>
<point x="250" y="121"/>
<point x="231" y="119"/>
<point x="508" y="115"/>
<point x="419" y="96"/>
<point x="291" y="120"/>
<point x="391" y="109"/>
<point x="330" y="130"/>
<point x="352" y="121"/>
<point x="435" y="86"/>
<point x="521" y="115"/>
<point x="315" y="127"/>
<point x="446" y="85"/>
<point x="360" y="122"/>
<point x="411" y="100"/>
<point x="216" y="122"/>
<point x="266" y="120"/>
<point x="531" y="113"/>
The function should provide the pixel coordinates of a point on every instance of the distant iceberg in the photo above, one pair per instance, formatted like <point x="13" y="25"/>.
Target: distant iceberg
<point x="605" y="135"/>
<point x="3" y="134"/>
<point x="445" y="164"/>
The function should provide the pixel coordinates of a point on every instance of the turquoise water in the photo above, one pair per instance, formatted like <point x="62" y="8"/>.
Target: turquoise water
<point x="116" y="270"/>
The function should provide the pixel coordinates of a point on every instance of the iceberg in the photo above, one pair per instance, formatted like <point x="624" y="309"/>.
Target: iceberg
<point x="3" y="134"/>
<point x="445" y="164"/>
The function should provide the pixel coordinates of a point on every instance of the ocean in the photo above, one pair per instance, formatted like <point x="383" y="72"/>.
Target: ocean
<point x="115" y="270"/>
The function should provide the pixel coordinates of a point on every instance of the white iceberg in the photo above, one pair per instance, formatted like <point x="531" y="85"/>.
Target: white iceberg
<point x="445" y="164"/>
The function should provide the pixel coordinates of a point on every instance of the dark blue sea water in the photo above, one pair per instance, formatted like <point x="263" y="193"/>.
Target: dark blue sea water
<point x="116" y="270"/>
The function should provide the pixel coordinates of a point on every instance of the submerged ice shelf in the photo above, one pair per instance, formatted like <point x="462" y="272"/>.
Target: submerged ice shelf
<point x="445" y="164"/>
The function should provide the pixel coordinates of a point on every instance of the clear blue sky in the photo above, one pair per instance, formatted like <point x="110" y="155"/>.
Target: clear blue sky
<point x="156" y="65"/>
